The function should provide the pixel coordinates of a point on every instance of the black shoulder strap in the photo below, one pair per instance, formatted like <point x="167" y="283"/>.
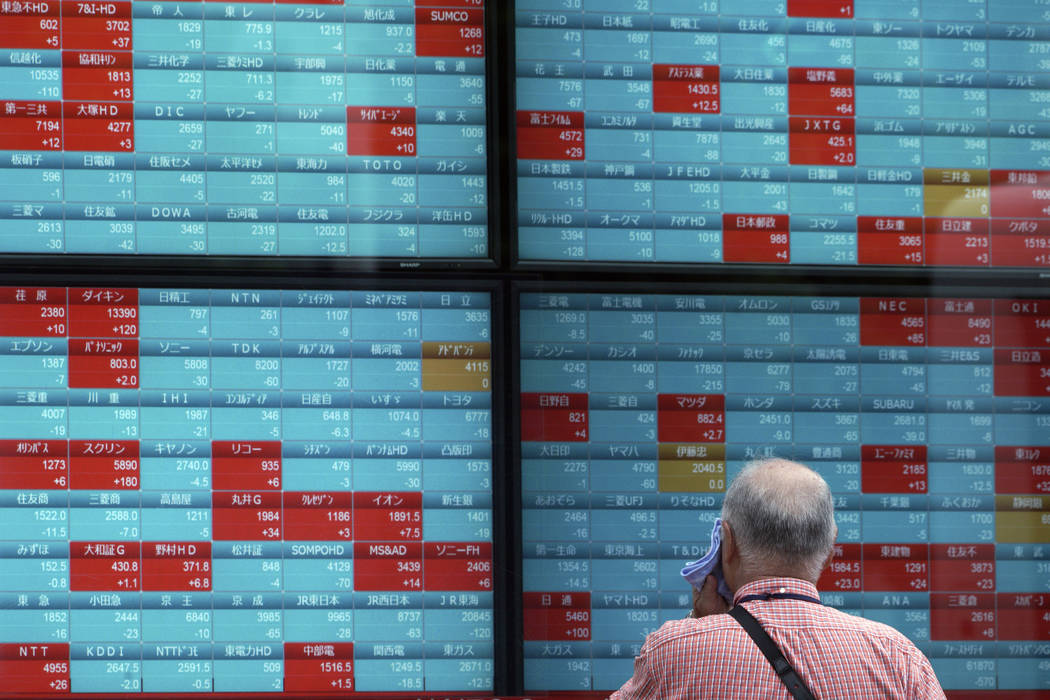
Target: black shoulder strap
<point x="783" y="669"/>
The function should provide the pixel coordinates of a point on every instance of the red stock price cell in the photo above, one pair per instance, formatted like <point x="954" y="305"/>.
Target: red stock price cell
<point x="104" y="566"/>
<point x="103" y="76"/>
<point x="31" y="125"/>
<point x="318" y="667"/>
<point x="1022" y="372"/>
<point x="885" y="240"/>
<point x="893" y="469"/>
<point x="690" y="89"/>
<point x="1022" y="323"/>
<point x="99" y="126"/>
<point x="318" y="516"/>
<point x="690" y="417"/>
<point x="104" y="464"/>
<point x="176" y="566"/>
<point x="960" y="322"/>
<point x="825" y="92"/>
<point x="96" y="25"/>
<point x="554" y="417"/>
<point x="381" y="131"/>
<point x="1023" y="616"/>
<point x="962" y="567"/>
<point x="551" y="135"/>
<point x="388" y="566"/>
<point x="246" y="515"/>
<point x="33" y="312"/>
<point x="895" y="567"/>
<point x="893" y="321"/>
<point x="1022" y="469"/>
<point x="103" y="363"/>
<point x="962" y="617"/>
<point x="30" y="25"/>
<point x="958" y="241"/>
<point x="450" y="29"/>
<point x="103" y="312"/>
<point x="844" y="572"/>
<point x="820" y="8"/>
<point x="758" y="238"/>
<point x="1020" y="243"/>
<point x="457" y="566"/>
<point x="382" y="516"/>
<point x="246" y="464"/>
<point x="1020" y="193"/>
<point x="34" y="668"/>
<point x="822" y="141"/>
<point x="557" y="616"/>
<point x="34" y="464"/>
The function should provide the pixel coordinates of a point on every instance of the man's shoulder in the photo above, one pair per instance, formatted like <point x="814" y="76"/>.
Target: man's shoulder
<point x="863" y="625"/>
<point x="688" y="628"/>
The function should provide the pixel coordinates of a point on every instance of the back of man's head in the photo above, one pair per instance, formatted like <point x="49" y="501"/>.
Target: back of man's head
<point x="782" y="518"/>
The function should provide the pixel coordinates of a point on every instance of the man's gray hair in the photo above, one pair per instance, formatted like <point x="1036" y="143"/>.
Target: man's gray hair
<point x="782" y="517"/>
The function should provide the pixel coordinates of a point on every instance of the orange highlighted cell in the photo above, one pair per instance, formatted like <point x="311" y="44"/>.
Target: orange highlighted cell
<point x="457" y="367"/>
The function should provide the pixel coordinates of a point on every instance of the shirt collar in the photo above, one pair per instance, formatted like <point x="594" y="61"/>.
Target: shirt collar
<point x="762" y="586"/>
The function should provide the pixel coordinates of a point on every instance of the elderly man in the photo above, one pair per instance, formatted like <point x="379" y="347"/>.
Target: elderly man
<point x="778" y="529"/>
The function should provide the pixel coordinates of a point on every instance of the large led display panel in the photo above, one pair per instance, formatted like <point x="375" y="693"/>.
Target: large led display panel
<point x="328" y="128"/>
<point x="245" y="491"/>
<point x="929" y="418"/>
<point x="826" y="132"/>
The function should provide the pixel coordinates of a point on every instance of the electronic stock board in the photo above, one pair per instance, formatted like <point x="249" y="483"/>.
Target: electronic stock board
<point x="928" y="417"/>
<point x="245" y="490"/>
<point x="328" y="128"/>
<point x="785" y="132"/>
<point x="251" y="489"/>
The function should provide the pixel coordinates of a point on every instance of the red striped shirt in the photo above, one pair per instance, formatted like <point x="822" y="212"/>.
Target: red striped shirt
<point x="836" y="654"/>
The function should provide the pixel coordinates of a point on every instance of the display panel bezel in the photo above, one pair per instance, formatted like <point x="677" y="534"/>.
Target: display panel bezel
<point x="500" y="473"/>
<point x="766" y="285"/>
<point x="509" y="107"/>
<point x="320" y="265"/>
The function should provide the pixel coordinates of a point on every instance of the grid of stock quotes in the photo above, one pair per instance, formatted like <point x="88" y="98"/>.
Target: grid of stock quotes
<point x="326" y="128"/>
<point x="837" y="132"/>
<point x="245" y="491"/>
<point x="929" y="418"/>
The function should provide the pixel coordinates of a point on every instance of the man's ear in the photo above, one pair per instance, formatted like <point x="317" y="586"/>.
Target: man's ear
<point x="730" y="557"/>
<point x="828" y="560"/>
<point x="831" y="554"/>
<point x="729" y="549"/>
